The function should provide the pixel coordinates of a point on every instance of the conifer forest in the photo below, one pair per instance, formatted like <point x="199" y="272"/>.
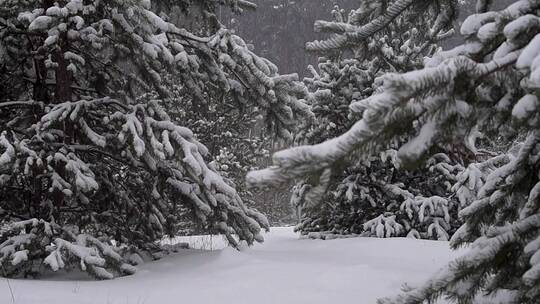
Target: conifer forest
<point x="270" y="151"/>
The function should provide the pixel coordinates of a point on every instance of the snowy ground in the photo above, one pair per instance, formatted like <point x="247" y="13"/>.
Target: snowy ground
<point x="282" y="270"/>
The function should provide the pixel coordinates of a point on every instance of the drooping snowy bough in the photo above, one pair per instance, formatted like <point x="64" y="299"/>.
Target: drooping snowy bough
<point x="88" y="155"/>
<point x="489" y="83"/>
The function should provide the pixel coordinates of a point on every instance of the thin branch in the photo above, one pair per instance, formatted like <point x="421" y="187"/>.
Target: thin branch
<point x="29" y="103"/>
<point x="52" y="83"/>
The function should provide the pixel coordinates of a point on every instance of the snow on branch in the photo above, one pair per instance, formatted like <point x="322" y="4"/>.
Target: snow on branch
<point x="379" y="112"/>
<point x="68" y="249"/>
<point x="354" y="34"/>
<point x="351" y="33"/>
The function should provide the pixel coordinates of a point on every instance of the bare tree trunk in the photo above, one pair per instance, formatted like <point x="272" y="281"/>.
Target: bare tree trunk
<point x="63" y="89"/>
<point x="63" y="92"/>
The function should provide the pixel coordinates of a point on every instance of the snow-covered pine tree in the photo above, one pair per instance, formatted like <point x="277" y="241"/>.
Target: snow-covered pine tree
<point x="370" y="196"/>
<point x="489" y="83"/>
<point x="88" y="155"/>
<point x="235" y="137"/>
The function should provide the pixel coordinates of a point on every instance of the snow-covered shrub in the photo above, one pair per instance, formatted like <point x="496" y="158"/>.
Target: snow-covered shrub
<point x="64" y="247"/>
<point x="419" y="201"/>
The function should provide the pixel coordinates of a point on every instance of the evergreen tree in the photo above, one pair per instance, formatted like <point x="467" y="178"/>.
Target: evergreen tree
<point x="235" y="137"/>
<point x="88" y="155"/>
<point x="369" y="196"/>
<point x="489" y="83"/>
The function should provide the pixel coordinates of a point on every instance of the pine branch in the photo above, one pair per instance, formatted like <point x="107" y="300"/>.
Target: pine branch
<point x="399" y="88"/>
<point x="93" y="149"/>
<point x="356" y="34"/>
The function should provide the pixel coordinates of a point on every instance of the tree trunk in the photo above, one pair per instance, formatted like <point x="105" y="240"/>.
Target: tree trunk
<point x="63" y="93"/>
<point x="63" y="75"/>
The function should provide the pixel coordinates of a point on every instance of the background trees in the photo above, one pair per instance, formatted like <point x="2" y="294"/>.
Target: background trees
<point x="279" y="29"/>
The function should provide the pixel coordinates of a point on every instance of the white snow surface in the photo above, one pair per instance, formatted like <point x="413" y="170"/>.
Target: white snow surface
<point x="284" y="269"/>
